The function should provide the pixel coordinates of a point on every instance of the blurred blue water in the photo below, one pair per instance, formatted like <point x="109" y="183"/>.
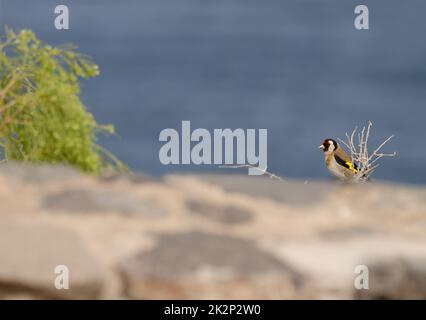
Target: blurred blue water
<point x="297" y="68"/>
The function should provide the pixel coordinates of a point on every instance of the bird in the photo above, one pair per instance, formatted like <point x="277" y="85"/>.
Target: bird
<point x="337" y="161"/>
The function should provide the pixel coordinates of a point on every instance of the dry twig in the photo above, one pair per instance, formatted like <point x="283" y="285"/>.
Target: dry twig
<point x="365" y="162"/>
<point x="270" y="174"/>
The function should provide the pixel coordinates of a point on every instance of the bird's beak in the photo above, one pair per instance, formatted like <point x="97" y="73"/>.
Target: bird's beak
<point x="321" y="147"/>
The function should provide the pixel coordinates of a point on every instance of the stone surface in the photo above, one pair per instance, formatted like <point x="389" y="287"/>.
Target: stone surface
<point x="87" y="201"/>
<point x="396" y="278"/>
<point x="332" y="263"/>
<point x="134" y="177"/>
<point x="38" y="174"/>
<point x="290" y="192"/>
<point x="207" y="236"/>
<point x="30" y="252"/>
<point x="223" y="214"/>
<point x="197" y="264"/>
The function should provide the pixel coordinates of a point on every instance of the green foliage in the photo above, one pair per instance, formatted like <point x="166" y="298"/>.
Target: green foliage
<point x="42" y="118"/>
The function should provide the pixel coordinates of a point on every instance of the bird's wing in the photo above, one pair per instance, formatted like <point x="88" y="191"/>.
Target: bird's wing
<point x="345" y="163"/>
<point x="342" y="154"/>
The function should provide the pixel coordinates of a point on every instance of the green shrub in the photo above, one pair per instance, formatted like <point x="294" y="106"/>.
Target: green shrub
<point x="42" y="118"/>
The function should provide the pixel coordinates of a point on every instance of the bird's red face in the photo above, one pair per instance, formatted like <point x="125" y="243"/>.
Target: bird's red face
<point x="328" y="146"/>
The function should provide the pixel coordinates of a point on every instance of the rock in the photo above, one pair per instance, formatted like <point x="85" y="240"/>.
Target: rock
<point x="30" y="252"/>
<point x="134" y="177"/>
<point x="197" y="265"/>
<point x="87" y="201"/>
<point x="396" y="278"/>
<point x="346" y="233"/>
<point x="331" y="264"/>
<point x="223" y="214"/>
<point x="38" y="174"/>
<point x="293" y="193"/>
<point x="207" y="236"/>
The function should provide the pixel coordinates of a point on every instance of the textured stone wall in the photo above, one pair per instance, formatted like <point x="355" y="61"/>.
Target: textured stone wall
<point x="199" y="236"/>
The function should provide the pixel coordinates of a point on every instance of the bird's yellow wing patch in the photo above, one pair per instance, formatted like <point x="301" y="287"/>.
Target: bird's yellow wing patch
<point x="351" y="167"/>
<point x="347" y="164"/>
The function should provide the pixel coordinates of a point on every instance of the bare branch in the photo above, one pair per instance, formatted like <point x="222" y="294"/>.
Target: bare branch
<point x="342" y="141"/>
<point x="381" y="146"/>
<point x="270" y="174"/>
<point x="360" y="156"/>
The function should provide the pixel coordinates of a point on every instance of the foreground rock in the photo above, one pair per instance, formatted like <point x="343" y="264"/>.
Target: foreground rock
<point x="196" y="265"/>
<point x="396" y="278"/>
<point x="207" y="237"/>
<point x="31" y="251"/>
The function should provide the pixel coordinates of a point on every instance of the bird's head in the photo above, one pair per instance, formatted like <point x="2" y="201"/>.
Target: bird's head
<point x="329" y="146"/>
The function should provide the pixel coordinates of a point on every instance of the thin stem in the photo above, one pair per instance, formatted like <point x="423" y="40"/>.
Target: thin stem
<point x="360" y="154"/>
<point x="270" y="174"/>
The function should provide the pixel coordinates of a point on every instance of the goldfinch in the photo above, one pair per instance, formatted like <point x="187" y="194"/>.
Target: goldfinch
<point x="337" y="161"/>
